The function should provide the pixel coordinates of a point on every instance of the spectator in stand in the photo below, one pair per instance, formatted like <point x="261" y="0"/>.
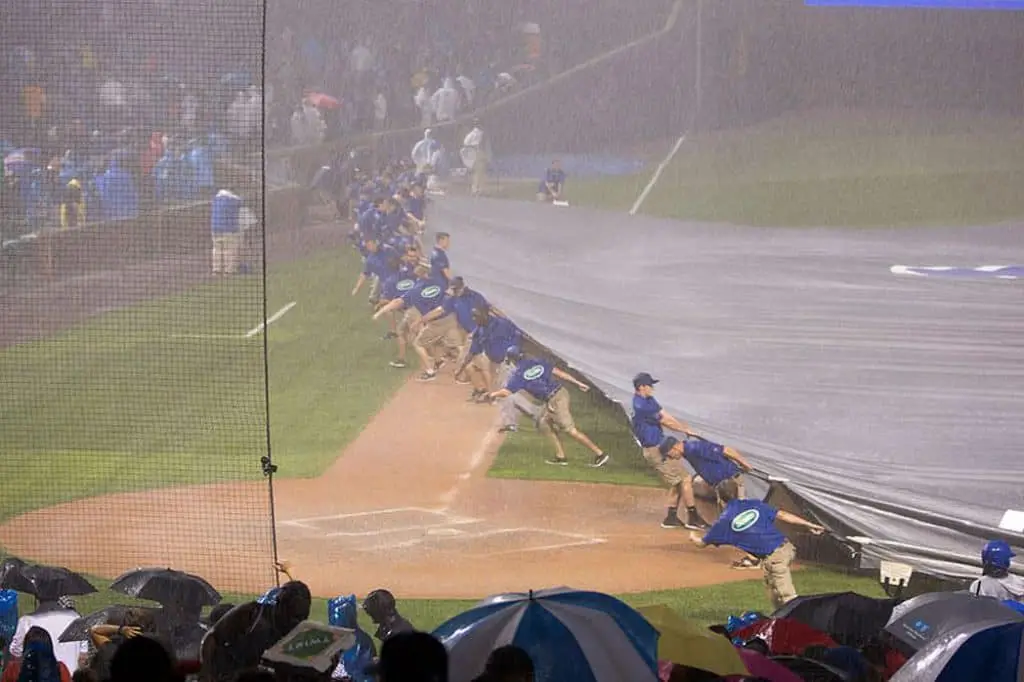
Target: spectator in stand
<point x="552" y="184"/>
<point x="445" y="102"/>
<point x="382" y="609"/>
<point x="476" y="154"/>
<point x="53" y="617"/>
<point x="508" y="664"/>
<point x="38" y="662"/>
<point x="412" y="657"/>
<point x="996" y="579"/>
<point x="749" y="525"/>
<point x="425" y="105"/>
<point x="142" y="659"/>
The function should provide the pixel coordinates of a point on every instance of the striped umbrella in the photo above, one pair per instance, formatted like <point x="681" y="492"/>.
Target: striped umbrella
<point x="569" y="635"/>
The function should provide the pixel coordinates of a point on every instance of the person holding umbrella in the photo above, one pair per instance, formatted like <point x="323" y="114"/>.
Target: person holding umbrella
<point x="749" y="525"/>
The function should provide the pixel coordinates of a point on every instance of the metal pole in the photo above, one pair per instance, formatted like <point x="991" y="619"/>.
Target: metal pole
<point x="699" y="80"/>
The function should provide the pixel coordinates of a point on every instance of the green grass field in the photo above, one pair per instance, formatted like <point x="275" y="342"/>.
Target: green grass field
<point x="829" y="171"/>
<point x="707" y="605"/>
<point x="140" y="397"/>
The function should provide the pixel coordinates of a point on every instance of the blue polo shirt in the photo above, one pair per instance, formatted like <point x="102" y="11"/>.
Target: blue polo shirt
<point x="377" y="263"/>
<point x="438" y="263"/>
<point x="709" y="461"/>
<point x="416" y="206"/>
<point x="534" y="376"/>
<point x="494" y="338"/>
<point x="396" y="285"/>
<point x="646" y="422"/>
<point x="552" y="177"/>
<point x="427" y="295"/>
<point x="748" y="525"/>
<point x="463" y="307"/>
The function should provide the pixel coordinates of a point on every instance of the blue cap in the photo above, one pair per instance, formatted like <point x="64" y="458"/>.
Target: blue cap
<point x="997" y="553"/>
<point x="513" y="353"/>
<point x="643" y="379"/>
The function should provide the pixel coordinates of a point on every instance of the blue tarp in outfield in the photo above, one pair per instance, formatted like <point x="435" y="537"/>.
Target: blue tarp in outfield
<point x="873" y="393"/>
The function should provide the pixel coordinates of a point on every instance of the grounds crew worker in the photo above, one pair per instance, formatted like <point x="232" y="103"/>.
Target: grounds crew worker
<point x="749" y="525"/>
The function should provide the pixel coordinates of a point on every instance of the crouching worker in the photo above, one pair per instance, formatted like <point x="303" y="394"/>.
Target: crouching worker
<point x="749" y="525"/>
<point x="552" y="184"/>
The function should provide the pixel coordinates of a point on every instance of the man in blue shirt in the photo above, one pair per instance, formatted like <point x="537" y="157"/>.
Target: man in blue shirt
<point x="551" y="185"/>
<point x="749" y="525"/>
<point x="378" y="264"/>
<point x="542" y="380"/>
<point x="426" y="295"/>
<point x="403" y="280"/>
<point x="649" y="422"/>
<point x="440" y="268"/>
<point x="461" y="303"/>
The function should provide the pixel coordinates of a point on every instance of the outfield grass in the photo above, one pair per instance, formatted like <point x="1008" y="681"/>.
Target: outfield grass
<point x="707" y="605"/>
<point x="821" y="171"/>
<point x="137" y="398"/>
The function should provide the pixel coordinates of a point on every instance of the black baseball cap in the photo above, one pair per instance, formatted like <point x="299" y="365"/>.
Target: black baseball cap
<point x="667" y="444"/>
<point x="458" y="283"/>
<point x="643" y="379"/>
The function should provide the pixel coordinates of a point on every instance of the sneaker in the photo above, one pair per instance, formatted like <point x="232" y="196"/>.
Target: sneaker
<point x="508" y="428"/>
<point x="600" y="460"/>
<point x="695" y="523"/>
<point x="746" y="563"/>
<point x="427" y="376"/>
<point x="397" y="364"/>
<point x="672" y="522"/>
<point x="557" y="461"/>
<point x="439" y="363"/>
<point x="474" y="397"/>
<point x="484" y="399"/>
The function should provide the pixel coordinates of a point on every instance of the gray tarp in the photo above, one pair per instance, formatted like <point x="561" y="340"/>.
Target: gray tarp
<point x="796" y="345"/>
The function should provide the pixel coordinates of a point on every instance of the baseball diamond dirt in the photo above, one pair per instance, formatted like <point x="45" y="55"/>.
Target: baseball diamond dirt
<point x="407" y="505"/>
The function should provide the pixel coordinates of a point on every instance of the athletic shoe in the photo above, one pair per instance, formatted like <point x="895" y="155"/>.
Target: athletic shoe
<point x="462" y="381"/>
<point x="484" y="399"/>
<point x="427" y="376"/>
<point x="438" y="364"/>
<point x="474" y="397"/>
<point x="397" y="364"/>
<point x="695" y="523"/>
<point x="672" y="522"/>
<point x="508" y="428"/>
<point x="600" y="460"/>
<point x="746" y="563"/>
<point x="556" y="461"/>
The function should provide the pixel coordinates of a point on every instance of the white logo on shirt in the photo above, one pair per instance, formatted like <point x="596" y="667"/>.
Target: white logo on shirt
<point x="405" y="284"/>
<point x="535" y="372"/>
<point x="745" y="520"/>
<point x="430" y="292"/>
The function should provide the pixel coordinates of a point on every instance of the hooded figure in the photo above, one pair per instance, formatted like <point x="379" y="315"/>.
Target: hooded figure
<point x="425" y="151"/>
<point x="342" y="612"/>
<point x="476" y="155"/>
<point x="446" y="101"/>
<point x="425" y="104"/>
<point x="381" y="608"/>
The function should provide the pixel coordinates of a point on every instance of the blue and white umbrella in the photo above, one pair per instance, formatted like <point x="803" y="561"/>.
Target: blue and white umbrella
<point x="987" y="651"/>
<point x="569" y="634"/>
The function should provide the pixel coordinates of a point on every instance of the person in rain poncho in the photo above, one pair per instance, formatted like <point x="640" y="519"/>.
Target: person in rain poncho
<point x="445" y="101"/>
<point x="425" y="151"/>
<point x="476" y="155"/>
<point x="425" y="104"/>
<point x="996" y="579"/>
<point x="308" y="126"/>
<point x="468" y="89"/>
<point x="244" y="113"/>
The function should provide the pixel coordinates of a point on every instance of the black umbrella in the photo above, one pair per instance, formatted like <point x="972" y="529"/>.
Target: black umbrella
<point x="48" y="583"/>
<point x="920" y="620"/>
<point x="167" y="586"/>
<point x="78" y="629"/>
<point x="849" y="618"/>
<point x="810" y="670"/>
<point x="12" y="576"/>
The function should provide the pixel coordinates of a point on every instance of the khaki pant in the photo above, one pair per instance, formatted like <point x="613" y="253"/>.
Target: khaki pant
<point x="444" y="330"/>
<point x="556" y="412"/>
<point x="374" y="295"/>
<point x="479" y="180"/>
<point x="226" y="249"/>
<point x="672" y="471"/>
<point x="777" y="576"/>
<point x="410" y="317"/>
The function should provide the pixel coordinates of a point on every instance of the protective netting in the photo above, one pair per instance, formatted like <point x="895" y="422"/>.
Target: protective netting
<point x="133" y="411"/>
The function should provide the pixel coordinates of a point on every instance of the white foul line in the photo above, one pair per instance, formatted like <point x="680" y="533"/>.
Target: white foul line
<point x="657" y="174"/>
<point x="270" y="320"/>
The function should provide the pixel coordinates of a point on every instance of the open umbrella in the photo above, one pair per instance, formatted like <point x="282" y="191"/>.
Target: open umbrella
<point x="986" y="651"/>
<point x="809" y="670"/>
<point x="687" y="643"/>
<point x="763" y="667"/>
<point x="782" y="636"/>
<point x="849" y="618"/>
<point x="927" y="617"/>
<point x="48" y="583"/>
<point x="569" y="635"/>
<point x="166" y="586"/>
<point x="322" y="101"/>
<point x="12" y="576"/>
<point x="78" y="629"/>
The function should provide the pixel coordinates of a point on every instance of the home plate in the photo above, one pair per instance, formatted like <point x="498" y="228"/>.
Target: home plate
<point x="447" y="532"/>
